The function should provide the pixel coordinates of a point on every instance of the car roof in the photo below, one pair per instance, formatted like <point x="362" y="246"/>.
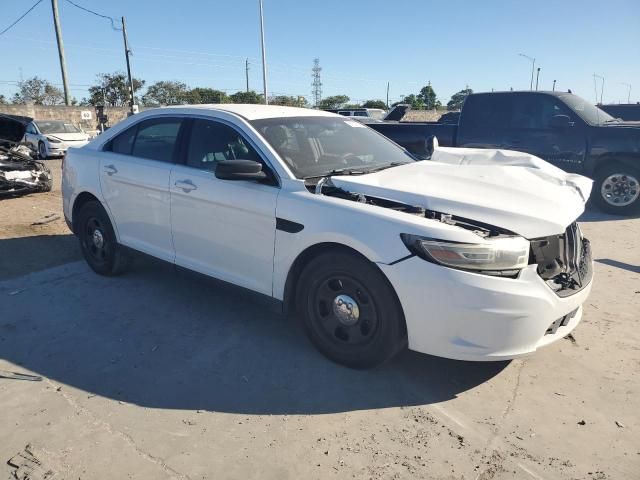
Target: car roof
<point x="253" y="111"/>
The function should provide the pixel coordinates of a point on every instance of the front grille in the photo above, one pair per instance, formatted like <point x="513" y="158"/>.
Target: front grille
<point x="564" y="261"/>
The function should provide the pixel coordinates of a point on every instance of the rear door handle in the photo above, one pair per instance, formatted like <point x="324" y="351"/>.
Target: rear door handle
<point x="186" y="185"/>
<point x="110" y="169"/>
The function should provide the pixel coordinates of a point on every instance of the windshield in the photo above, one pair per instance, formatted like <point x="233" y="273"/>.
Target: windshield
<point x="316" y="146"/>
<point x="57" y="126"/>
<point x="587" y="111"/>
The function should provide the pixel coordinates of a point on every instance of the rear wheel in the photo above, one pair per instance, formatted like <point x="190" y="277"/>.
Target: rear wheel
<point x="98" y="241"/>
<point x="350" y="312"/>
<point x="617" y="189"/>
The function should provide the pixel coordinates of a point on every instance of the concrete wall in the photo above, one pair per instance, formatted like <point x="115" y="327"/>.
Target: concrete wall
<point x="70" y="114"/>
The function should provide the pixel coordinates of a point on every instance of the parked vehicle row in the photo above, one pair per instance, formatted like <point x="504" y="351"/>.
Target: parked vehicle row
<point x="561" y="128"/>
<point x="474" y="255"/>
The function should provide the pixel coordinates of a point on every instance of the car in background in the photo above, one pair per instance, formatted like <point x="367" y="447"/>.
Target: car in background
<point x="474" y="255"/>
<point x="52" y="138"/>
<point x="372" y="113"/>
<point x="629" y="112"/>
<point x="559" y="127"/>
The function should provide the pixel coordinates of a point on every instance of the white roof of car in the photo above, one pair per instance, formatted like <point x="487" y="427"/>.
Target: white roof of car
<point x="257" y="111"/>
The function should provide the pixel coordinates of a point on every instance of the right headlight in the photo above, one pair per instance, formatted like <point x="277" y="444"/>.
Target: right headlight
<point x="502" y="256"/>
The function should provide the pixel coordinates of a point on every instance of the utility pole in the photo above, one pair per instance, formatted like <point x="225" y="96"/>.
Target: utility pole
<point x="387" y="95"/>
<point x="246" y="72"/>
<point x="554" y="86"/>
<point x="595" y="87"/>
<point x="63" y="66"/>
<point x="537" y="78"/>
<point x="628" y="85"/>
<point x="126" y="53"/>
<point x="533" y="67"/>
<point x="264" y="56"/>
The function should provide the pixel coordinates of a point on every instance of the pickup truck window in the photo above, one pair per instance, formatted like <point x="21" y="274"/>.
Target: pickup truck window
<point x="488" y="111"/>
<point x="536" y="113"/>
<point x="316" y="146"/>
<point x="588" y="112"/>
<point x="211" y="142"/>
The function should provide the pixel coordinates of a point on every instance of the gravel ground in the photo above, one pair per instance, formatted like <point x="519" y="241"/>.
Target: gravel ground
<point x="165" y="374"/>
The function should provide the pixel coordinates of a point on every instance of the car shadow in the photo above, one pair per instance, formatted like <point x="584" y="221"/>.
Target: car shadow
<point x="19" y="256"/>
<point x="617" y="264"/>
<point x="591" y="214"/>
<point x="163" y="338"/>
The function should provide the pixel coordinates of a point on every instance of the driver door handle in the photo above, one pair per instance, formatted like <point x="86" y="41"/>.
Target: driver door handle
<point x="185" y="185"/>
<point x="110" y="169"/>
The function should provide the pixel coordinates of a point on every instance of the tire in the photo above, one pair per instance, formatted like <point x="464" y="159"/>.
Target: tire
<point x="362" y="337"/>
<point x="101" y="250"/>
<point x="42" y="151"/>
<point x="617" y="189"/>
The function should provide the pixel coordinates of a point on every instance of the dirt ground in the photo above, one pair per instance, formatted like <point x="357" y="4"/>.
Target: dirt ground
<point x="159" y="374"/>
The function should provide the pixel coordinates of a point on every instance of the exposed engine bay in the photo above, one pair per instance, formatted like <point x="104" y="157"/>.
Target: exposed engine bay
<point x="564" y="261"/>
<point x="21" y="173"/>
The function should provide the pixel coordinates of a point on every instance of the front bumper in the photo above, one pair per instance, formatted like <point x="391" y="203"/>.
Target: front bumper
<point x="59" y="149"/>
<point x="469" y="316"/>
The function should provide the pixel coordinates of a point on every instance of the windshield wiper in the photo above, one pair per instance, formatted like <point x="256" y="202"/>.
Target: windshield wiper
<point x="346" y="171"/>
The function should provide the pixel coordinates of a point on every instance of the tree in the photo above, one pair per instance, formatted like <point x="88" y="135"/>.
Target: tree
<point x="374" y="104"/>
<point x="207" y="95"/>
<point x="413" y="100"/>
<point x="288" y="101"/>
<point x="336" y="101"/>
<point x="112" y="90"/>
<point x="39" y="92"/>
<point x="428" y="96"/>
<point x="457" y="99"/>
<point x="166" y="93"/>
<point x="3" y="100"/>
<point x="246" y="97"/>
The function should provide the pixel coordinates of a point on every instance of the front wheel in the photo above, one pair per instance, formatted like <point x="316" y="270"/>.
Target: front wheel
<point x="42" y="151"/>
<point x="350" y="311"/>
<point x="617" y="189"/>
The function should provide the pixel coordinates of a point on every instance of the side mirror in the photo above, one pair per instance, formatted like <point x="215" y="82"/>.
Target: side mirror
<point x="430" y="144"/>
<point x="239" y="170"/>
<point x="561" y="121"/>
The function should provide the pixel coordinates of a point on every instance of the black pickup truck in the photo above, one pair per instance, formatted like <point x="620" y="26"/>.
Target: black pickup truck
<point x="558" y="127"/>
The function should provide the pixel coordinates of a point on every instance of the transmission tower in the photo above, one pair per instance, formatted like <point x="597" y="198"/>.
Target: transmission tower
<point x="317" y="84"/>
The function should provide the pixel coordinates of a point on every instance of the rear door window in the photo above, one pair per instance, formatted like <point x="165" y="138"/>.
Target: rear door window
<point x="156" y="139"/>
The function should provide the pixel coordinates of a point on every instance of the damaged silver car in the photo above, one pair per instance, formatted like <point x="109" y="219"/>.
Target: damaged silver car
<point x="20" y="172"/>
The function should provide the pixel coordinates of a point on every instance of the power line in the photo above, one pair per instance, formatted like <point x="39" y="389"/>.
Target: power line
<point x="21" y="17"/>
<point x="111" y="19"/>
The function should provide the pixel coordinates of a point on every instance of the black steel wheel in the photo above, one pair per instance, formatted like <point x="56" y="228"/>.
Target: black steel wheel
<point x="98" y="241"/>
<point x="350" y="311"/>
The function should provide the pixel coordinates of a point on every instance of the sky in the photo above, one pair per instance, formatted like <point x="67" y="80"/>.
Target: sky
<point x="361" y="44"/>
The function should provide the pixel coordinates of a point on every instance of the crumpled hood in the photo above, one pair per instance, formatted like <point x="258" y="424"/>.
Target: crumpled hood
<point x="70" y="137"/>
<point x="511" y="190"/>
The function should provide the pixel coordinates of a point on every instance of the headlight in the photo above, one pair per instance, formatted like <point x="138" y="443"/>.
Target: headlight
<point x="53" y="140"/>
<point x="502" y="256"/>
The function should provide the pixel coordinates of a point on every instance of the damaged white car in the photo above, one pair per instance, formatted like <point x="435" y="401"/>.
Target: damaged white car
<point x="473" y="255"/>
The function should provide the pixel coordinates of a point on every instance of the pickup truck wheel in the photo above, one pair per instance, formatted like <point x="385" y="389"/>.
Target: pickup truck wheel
<point x="350" y="312"/>
<point x="98" y="241"/>
<point x="617" y="189"/>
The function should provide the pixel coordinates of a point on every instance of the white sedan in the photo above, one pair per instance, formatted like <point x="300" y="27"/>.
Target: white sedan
<point x="52" y="138"/>
<point x="473" y="255"/>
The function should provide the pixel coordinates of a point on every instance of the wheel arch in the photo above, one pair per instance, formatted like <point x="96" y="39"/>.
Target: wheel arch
<point x="82" y="199"/>
<point x="601" y="162"/>
<point x="311" y="252"/>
